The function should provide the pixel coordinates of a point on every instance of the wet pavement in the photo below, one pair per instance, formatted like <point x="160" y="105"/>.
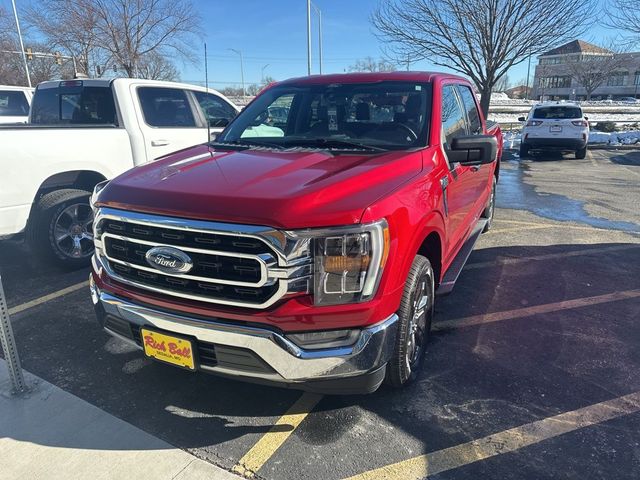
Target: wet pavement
<point x="507" y="350"/>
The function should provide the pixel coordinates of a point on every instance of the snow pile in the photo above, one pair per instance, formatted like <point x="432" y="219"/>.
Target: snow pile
<point x="630" y="137"/>
<point x="511" y="140"/>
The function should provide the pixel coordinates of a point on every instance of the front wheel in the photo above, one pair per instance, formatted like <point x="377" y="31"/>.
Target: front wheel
<point x="61" y="228"/>
<point x="414" y="324"/>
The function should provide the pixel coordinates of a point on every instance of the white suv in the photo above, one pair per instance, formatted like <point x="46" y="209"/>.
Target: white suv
<point x="555" y="126"/>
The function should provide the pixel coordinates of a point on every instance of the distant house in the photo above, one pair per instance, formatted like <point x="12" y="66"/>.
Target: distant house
<point x="553" y="79"/>
<point x="520" y="91"/>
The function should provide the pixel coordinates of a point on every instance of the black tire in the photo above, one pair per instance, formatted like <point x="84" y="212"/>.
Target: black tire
<point x="582" y="153"/>
<point x="488" y="212"/>
<point x="52" y="214"/>
<point x="524" y="151"/>
<point x="402" y="370"/>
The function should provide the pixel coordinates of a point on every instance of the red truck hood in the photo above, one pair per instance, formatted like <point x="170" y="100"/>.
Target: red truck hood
<point x="293" y="189"/>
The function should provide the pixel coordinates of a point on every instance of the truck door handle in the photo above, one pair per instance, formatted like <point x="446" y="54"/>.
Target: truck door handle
<point x="159" y="143"/>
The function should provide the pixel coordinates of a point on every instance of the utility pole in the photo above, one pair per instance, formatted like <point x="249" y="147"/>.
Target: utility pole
<point x="526" y="90"/>
<point x="24" y="56"/>
<point x="262" y="74"/>
<point x="319" y="12"/>
<point x="308" y="37"/>
<point x="244" y="94"/>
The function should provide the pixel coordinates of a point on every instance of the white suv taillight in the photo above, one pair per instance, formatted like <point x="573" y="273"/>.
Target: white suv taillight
<point x="580" y="123"/>
<point x="534" y="123"/>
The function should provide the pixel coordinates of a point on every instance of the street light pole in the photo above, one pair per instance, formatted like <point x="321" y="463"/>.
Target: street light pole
<point x="308" y="37"/>
<point x="24" y="55"/>
<point x="319" y="13"/>
<point x="244" y="94"/>
<point x="262" y="74"/>
<point x="526" y="91"/>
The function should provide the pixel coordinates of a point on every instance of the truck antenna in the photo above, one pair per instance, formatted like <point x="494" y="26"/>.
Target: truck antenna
<point x="206" y="82"/>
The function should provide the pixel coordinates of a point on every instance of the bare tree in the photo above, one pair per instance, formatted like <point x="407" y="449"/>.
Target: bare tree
<point x="502" y="84"/>
<point x="481" y="39"/>
<point x="71" y="26"/>
<point x="625" y="15"/>
<point x="593" y="70"/>
<point x="131" y="29"/>
<point x="369" y="64"/>
<point x="156" y="67"/>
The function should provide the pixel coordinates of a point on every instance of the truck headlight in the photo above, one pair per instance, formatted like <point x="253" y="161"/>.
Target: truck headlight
<point x="96" y="190"/>
<point x="348" y="263"/>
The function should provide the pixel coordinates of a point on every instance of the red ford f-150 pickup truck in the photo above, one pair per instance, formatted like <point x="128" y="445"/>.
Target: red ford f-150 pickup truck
<point x="305" y="246"/>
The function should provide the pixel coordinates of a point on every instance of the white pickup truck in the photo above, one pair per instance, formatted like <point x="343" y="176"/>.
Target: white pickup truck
<point x="82" y="132"/>
<point x="14" y="104"/>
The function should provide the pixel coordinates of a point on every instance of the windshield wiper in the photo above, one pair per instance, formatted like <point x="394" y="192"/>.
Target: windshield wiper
<point x="252" y="143"/>
<point x="332" y="143"/>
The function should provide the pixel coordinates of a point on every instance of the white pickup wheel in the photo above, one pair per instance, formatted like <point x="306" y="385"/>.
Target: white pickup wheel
<point x="414" y="324"/>
<point x="61" y="228"/>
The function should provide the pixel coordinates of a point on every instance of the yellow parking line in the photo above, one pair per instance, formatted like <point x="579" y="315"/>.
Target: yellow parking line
<point x="535" y="310"/>
<point x="264" y="449"/>
<point x="46" y="298"/>
<point x="549" y="225"/>
<point x="549" y="256"/>
<point x="506" y="441"/>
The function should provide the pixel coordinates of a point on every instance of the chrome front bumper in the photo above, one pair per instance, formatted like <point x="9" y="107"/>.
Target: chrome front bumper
<point x="289" y="363"/>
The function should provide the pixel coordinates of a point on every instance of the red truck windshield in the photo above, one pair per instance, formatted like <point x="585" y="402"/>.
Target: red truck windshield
<point x="387" y="115"/>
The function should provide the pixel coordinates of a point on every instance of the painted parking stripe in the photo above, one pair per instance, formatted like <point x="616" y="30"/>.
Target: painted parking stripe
<point x="550" y="256"/>
<point x="535" y="310"/>
<point x="46" y="298"/>
<point x="264" y="449"/>
<point x="506" y="441"/>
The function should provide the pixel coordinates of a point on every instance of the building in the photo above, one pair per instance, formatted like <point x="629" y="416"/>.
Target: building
<point x="519" y="91"/>
<point x="554" y="79"/>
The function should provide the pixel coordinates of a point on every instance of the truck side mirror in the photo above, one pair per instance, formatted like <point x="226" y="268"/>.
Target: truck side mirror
<point x="470" y="150"/>
<point x="521" y="119"/>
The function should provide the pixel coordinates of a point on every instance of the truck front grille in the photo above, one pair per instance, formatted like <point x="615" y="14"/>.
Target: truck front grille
<point x="229" y="267"/>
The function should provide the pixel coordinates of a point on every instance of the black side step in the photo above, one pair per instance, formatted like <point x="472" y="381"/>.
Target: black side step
<point x="456" y="267"/>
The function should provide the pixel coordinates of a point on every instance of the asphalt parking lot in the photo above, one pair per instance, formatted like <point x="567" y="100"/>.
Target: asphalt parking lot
<point x="533" y="368"/>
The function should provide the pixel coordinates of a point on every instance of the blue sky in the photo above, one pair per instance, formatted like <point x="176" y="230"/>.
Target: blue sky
<point x="273" y="33"/>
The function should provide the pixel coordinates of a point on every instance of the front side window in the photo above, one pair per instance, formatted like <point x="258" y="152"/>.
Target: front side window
<point x="13" y="104"/>
<point x="76" y="105"/>
<point x="453" y="117"/>
<point x="557" y="113"/>
<point x="217" y="112"/>
<point x="166" y="107"/>
<point x="466" y="95"/>
<point x="388" y="115"/>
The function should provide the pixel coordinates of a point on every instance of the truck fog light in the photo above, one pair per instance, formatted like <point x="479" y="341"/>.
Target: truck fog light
<point x="328" y="339"/>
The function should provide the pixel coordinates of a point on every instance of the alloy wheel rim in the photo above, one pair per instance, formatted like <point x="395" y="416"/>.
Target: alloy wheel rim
<point x="416" y="332"/>
<point x="72" y="231"/>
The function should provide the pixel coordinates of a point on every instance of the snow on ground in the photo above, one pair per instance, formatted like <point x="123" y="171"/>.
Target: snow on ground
<point x="511" y="140"/>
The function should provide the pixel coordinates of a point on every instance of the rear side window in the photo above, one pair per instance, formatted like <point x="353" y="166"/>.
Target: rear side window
<point x="218" y="112"/>
<point x="13" y="104"/>
<point x="558" y="112"/>
<point x="166" y="107"/>
<point x="466" y="95"/>
<point x="74" y="106"/>
<point x="453" y="121"/>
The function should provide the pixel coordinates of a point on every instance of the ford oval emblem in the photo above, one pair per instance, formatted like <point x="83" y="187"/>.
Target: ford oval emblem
<point x="169" y="260"/>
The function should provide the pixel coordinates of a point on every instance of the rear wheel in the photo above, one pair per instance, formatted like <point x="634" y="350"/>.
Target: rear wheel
<point x="582" y="153"/>
<point x="414" y="324"/>
<point x="61" y="228"/>
<point x="487" y="214"/>
<point x="524" y="150"/>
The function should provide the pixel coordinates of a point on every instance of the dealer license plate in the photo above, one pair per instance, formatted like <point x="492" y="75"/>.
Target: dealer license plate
<point x="555" y="128"/>
<point x="167" y="348"/>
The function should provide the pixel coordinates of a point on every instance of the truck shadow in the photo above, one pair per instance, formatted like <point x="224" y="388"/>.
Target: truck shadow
<point x="477" y="380"/>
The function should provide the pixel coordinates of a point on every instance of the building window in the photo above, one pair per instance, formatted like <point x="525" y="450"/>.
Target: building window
<point x="636" y="80"/>
<point x="555" y="82"/>
<point x="617" y="79"/>
<point x="551" y="61"/>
